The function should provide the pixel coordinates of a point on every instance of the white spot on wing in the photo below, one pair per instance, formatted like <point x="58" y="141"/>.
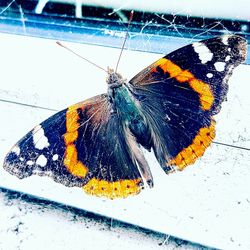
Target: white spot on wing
<point x="16" y="150"/>
<point x="204" y="53"/>
<point x="41" y="160"/>
<point x="55" y="157"/>
<point x="209" y="75"/>
<point x="30" y="163"/>
<point x="227" y="58"/>
<point x="220" y="66"/>
<point x="39" y="139"/>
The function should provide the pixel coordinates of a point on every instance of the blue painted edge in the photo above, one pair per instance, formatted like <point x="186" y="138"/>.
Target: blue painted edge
<point x="157" y="39"/>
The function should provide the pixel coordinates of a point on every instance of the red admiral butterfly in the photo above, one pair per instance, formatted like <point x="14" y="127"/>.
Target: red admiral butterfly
<point x="168" y="107"/>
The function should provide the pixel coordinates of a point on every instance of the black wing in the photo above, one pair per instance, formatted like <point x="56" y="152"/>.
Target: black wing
<point x="180" y="94"/>
<point x="85" y="146"/>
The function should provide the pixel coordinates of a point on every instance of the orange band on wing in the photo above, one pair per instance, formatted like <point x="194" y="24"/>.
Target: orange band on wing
<point x="111" y="190"/>
<point x="203" y="89"/>
<point x="71" y="161"/>
<point x="191" y="153"/>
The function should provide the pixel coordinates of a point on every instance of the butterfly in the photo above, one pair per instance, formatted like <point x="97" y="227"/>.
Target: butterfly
<point x="168" y="107"/>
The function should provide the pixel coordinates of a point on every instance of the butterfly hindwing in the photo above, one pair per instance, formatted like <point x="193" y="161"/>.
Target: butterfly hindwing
<point x="181" y="92"/>
<point x="175" y="118"/>
<point x="82" y="146"/>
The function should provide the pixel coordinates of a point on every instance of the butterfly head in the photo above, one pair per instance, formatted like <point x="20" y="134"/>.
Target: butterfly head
<point x="114" y="79"/>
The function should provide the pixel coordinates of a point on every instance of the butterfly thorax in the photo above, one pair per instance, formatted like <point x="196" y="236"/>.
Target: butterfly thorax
<point x="114" y="79"/>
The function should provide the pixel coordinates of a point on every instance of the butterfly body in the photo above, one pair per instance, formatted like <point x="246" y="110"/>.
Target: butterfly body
<point x="168" y="107"/>
<point x="134" y="124"/>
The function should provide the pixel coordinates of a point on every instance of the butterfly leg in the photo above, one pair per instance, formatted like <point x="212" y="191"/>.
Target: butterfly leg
<point x="140" y="159"/>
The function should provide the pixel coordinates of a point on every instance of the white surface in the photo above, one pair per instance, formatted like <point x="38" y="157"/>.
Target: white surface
<point x="27" y="225"/>
<point x="208" y="203"/>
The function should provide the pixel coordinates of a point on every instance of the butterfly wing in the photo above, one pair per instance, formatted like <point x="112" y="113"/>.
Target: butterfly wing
<point x="180" y="93"/>
<point x="82" y="146"/>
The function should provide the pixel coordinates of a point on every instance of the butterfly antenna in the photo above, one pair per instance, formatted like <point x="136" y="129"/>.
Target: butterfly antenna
<point x="125" y="39"/>
<point x="60" y="44"/>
